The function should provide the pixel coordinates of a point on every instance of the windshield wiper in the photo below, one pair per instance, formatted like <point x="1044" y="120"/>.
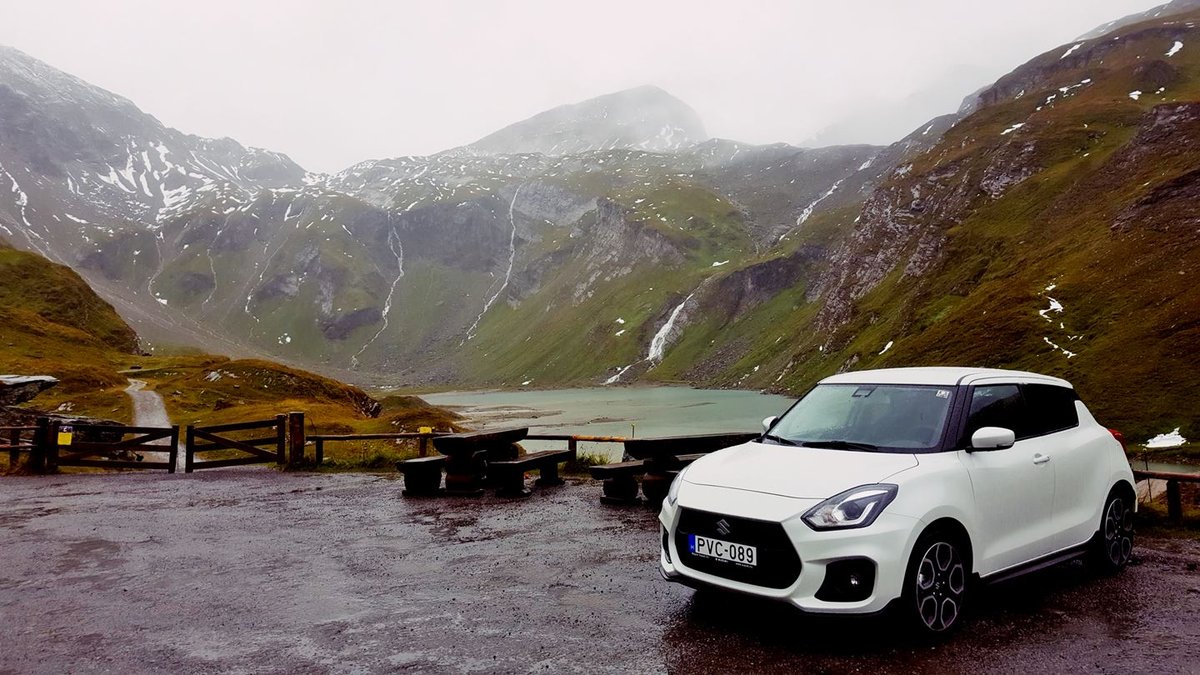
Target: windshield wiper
<point x="839" y="445"/>
<point x="778" y="439"/>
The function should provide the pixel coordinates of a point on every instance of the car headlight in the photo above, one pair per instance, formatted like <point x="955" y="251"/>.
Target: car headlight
<point x="856" y="507"/>
<point x="673" y="492"/>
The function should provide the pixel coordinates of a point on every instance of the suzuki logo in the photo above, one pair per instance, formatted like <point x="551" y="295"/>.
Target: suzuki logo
<point x="723" y="527"/>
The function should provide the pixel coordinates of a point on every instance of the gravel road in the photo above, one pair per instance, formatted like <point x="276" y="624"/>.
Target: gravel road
<point x="148" y="408"/>
<point x="149" y="411"/>
<point x="239" y="571"/>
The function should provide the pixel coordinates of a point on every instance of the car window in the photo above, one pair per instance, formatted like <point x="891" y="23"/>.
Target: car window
<point x="998" y="405"/>
<point x="1051" y="408"/>
<point x="888" y="416"/>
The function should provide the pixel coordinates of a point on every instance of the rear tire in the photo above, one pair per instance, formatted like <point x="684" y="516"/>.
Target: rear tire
<point x="1112" y="545"/>
<point x="936" y="584"/>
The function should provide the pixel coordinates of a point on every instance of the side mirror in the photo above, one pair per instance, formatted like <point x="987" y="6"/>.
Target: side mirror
<point x="993" y="438"/>
<point x="769" y="422"/>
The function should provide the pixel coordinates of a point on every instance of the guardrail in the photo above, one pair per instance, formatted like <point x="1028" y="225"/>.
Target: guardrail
<point x="1174" y="498"/>
<point x="319" y="440"/>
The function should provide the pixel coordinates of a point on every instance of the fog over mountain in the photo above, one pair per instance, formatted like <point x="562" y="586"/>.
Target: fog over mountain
<point x="334" y="84"/>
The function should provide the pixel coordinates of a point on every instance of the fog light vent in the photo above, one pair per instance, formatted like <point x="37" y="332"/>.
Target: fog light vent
<point x="848" y="580"/>
<point x="666" y="547"/>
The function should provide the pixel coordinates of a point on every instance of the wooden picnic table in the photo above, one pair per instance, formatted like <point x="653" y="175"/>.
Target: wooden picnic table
<point x="657" y="461"/>
<point x="661" y="452"/>
<point x="468" y="454"/>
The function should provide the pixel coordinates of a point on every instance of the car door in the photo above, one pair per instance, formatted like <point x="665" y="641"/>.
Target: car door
<point x="1077" y="453"/>
<point x="1013" y="487"/>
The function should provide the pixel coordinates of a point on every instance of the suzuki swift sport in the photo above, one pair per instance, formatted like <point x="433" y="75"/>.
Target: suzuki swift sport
<point x="899" y="489"/>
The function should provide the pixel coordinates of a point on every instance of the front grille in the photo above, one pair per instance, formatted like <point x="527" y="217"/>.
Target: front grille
<point x="778" y="565"/>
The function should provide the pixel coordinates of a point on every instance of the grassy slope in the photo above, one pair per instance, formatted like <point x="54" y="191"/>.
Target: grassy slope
<point x="52" y="323"/>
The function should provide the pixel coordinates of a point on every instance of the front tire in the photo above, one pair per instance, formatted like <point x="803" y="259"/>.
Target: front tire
<point x="1112" y="545"/>
<point x="935" y="585"/>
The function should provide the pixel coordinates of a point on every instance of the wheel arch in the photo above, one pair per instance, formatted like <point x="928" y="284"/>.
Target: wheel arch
<point x="958" y="531"/>
<point x="1124" y="487"/>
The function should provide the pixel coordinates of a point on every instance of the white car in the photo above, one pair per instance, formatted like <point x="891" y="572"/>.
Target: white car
<point x="898" y="489"/>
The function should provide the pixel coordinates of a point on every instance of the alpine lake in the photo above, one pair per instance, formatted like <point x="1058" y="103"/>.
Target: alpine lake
<point x="627" y="412"/>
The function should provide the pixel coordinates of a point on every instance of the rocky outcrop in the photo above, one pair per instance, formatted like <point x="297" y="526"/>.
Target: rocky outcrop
<point x="903" y="223"/>
<point x="740" y="292"/>
<point x="616" y="244"/>
<point x="17" y="389"/>
<point x="1168" y="132"/>
<point x="340" y="327"/>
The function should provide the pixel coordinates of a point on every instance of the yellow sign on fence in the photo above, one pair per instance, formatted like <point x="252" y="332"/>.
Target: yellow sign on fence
<point x="424" y="430"/>
<point x="64" y="437"/>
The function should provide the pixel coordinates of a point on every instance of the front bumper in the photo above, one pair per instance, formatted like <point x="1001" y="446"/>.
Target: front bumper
<point x="887" y="543"/>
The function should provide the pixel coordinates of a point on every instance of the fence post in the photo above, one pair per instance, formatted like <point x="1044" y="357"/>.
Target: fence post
<point x="320" y="451"/>
<point x="295" y="439"/>
<point x="189" y="450"/>
<point x="573" y="446"/>
<point x="174" y="457"/>
<point x="41" y="438"/>
<point x="423" y="445"/>
<point x="52" y="446"/>
<point x="281" y="439"/>
<point x="1174" y="501"/>
<point x="14" y="456"/>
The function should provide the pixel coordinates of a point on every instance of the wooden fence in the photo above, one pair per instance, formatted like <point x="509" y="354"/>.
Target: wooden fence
<point x="1174" y="496"/>
<point x="216" y="439"/>
<point x="16" y="440"/>
<point x="109" y="446"/>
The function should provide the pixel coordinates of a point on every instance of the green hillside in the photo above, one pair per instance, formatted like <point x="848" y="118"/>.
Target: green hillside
<point x="1052" y="230"/>
<point x="51" y="323"/>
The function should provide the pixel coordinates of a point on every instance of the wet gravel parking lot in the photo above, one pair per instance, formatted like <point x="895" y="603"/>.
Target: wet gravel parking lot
<point x="257" y="571"/>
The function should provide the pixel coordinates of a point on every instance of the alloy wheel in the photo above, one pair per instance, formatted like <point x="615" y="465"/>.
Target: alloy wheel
<point x="941" y="584"/>
<point x="1118" y="533"/>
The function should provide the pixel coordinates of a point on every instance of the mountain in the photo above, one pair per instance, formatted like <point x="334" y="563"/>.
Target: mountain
<point x="407" y="269"/>
<point x="1052" y="229"/>
<point x="646" y="118"/>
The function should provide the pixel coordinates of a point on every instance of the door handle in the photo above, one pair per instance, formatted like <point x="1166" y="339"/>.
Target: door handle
<point x="1040" y="458"/>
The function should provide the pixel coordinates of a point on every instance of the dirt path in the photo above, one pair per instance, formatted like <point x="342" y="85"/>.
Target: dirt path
<point x="149" y="411"/>
<point x="315" y="573"/>
<point x="148" y="408"/>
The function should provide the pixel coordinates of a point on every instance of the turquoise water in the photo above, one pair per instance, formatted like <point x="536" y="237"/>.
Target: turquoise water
<point x="615" y="411"/>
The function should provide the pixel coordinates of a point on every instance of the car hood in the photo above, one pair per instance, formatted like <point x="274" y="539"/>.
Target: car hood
<point x="809" y="473"/>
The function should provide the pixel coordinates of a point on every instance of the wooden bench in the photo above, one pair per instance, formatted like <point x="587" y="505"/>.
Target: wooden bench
<point x="658" y="461"/>
<point x="422" y="475"/>
<point x="1174" y="498"/>
<point x="620" y="481"/>
<point x="468" y="455"/>
<point x="509" y="475"/>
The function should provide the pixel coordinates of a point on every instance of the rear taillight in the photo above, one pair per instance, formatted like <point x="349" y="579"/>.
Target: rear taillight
<point x="1120" y="438"/>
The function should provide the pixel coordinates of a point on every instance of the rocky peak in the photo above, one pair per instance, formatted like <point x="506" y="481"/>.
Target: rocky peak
<point x="643" y="118"/>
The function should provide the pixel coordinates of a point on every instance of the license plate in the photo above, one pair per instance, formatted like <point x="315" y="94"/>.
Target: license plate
<point x="723" y="550"/>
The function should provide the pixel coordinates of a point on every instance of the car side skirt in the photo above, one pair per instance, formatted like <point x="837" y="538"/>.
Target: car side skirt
<point x="1038" y="564"/>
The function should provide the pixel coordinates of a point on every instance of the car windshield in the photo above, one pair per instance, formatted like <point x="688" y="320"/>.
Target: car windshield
<point x="888" y="417"/>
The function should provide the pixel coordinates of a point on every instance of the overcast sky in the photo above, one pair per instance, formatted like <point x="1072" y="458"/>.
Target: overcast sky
<point x="333" y="83"/>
